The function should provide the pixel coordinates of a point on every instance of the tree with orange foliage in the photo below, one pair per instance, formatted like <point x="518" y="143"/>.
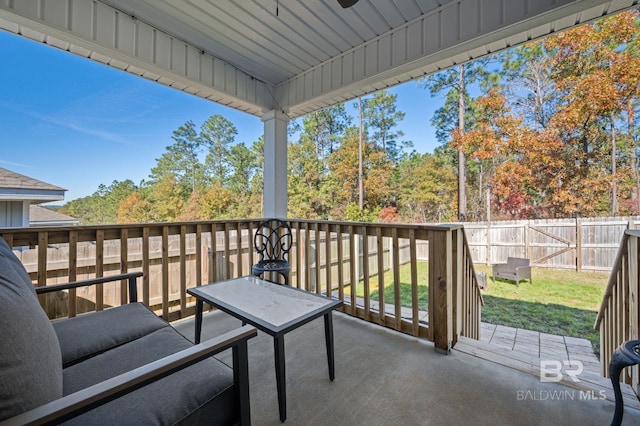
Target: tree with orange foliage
<point x="135" y="209"/>
<point x="517" y="160"/>
<point x="596" y="68"/>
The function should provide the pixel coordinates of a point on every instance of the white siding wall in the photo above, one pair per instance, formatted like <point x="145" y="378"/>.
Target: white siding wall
<point x="12" y="214"/>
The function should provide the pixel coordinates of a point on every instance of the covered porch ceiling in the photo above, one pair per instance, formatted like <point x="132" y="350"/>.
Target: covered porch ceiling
<point x="290" y="56"/>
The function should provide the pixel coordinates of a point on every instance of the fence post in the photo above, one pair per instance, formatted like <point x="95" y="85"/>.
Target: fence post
<point x="440" y="288"/>
<point x="488" y="257"/>
<point x="578" y="245"/>
<point x="527" y="243"/>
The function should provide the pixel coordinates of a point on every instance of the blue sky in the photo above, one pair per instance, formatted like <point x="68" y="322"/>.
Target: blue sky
<point x="75" y="123"/>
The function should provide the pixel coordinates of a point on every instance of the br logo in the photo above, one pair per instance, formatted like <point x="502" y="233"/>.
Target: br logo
<point x="553" y="371"/>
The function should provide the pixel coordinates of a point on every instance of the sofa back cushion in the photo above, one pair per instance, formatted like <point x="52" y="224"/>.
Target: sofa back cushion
<point x="516" y="262"/>
<point x="30" y="360"/>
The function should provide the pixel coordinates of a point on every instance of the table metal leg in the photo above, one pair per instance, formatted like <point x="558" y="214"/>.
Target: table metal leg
<point x="278" y="350"/>
<point x="328" y="335"/>
<point x="199" y="307"/>
<point x="241" y="381"/>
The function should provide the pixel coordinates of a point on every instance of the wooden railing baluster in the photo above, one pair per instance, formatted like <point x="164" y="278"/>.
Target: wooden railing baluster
<point x="307" y="257"/>
<point x="199" y="254"/>
<point x="413" y="262"/>
<point x="145" y="265"/>
<point x="250" y="249"/>
<point x="183" y="267"/>
<point x="43" y="243"/>
<point x="318" y="251"/>
<point x="124" y="263"/>
<point x="340" y="263"/>
<point x="396" y="279"/>
<point x="99" y="269"/>
<point x="328" y="260"/>
<point x="72" y="305"/>
<point x="298" y="253"/>
<point x="164" y="252"/>
<point x="238" y="250"/>
<point x="365" y="273"/>
<point x="213" y="274"/>
<point x="354" y="270"/>
<point x="380" y="244"/>
<point x="165" y="272"/>
<point x="227" y="252"/>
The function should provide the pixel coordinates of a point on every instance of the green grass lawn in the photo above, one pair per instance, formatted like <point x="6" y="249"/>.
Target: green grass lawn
<point x="405" y="286"/>
<point x="558" y="302"/>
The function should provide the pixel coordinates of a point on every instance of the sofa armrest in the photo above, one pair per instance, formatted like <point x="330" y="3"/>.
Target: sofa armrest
<point x="523" y="272"/>
<point x="131" y="277"/>
<point x="82" y="401"/>
<point x="498" y="268"/>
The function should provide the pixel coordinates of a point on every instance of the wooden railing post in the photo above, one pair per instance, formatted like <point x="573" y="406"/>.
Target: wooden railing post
<point x="440" y="288"/>
<point x="456" y="287"/>
<point x="167" y="253"/>
<point x="633" y="306"/>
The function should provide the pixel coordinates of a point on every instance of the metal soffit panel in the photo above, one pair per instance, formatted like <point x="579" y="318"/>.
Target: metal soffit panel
<point x="300" y="55"/>
<point x="274" y="40"/>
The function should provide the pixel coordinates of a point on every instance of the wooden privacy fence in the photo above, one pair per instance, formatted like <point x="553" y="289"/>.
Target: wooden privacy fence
<point x="327" y="258"/>
<point x="619" y="315"/>
<point x="579" y="244"/>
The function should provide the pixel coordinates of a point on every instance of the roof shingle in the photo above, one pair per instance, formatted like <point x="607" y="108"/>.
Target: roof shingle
<point x="13" y="180"/>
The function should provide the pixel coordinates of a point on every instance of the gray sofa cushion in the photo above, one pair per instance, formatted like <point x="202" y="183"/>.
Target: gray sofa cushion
<point x="30" y="360"/>
<point x="90" y="334"/>
<point x="203" y="390"/>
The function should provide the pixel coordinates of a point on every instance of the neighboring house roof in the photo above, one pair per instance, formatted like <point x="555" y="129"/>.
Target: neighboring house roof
<point x="14" y="186"/>
<point x="41" y="216"/>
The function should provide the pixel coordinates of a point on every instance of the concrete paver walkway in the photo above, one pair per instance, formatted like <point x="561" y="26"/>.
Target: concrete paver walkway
<point x="542" y="345"/>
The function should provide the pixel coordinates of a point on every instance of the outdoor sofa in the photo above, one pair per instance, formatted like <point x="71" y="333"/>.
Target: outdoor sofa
<point x="123" y="365"/>
<point x="516" y="269"/>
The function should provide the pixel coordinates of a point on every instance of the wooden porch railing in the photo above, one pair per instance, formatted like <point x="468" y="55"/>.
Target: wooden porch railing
<point x="338" y="259"/>
<point x="619" y="312"/>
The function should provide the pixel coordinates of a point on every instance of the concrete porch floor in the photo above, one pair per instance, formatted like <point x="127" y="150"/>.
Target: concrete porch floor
<point x="388" y="378"/>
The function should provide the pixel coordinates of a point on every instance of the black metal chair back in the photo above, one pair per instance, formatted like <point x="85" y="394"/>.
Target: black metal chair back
<point x="273" y="241"/>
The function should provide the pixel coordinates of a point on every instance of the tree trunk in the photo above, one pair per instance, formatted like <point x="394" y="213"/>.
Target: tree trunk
<point x="462" y="178"/>
<point x="614" y="183"/>
<point x="631" y="118"/>
<point x="360" y="173"/>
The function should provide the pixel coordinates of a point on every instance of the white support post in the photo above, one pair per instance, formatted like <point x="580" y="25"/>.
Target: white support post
<point x="275" y="171"/>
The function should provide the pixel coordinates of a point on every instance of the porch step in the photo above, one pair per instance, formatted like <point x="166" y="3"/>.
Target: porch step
<point x="590" y="381"/>
<point x="543" y="345"/>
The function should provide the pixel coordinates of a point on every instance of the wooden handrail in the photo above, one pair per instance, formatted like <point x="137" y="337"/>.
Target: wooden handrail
<point x="327" y="257"/>
<point x="611" y="283"/>
<point x="619" y="312"/>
